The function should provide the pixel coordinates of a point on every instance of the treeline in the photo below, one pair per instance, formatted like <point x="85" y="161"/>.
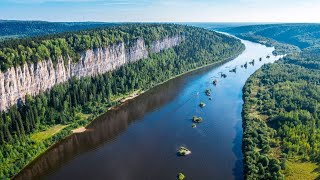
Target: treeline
<point x="16" y="52"/>
<point x="65" y="103"/>
<point x="10" y="29"/>
<point x="302" y="35"/>
<point x="287" y="38"/>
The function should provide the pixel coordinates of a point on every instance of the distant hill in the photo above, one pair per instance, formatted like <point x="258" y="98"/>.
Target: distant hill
<point x="20" y="29"/>
<point x="292" y="37"/>
<point x="212" y="25"/>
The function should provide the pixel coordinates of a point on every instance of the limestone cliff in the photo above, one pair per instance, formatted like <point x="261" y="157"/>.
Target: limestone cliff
<point x="32" y="79"/>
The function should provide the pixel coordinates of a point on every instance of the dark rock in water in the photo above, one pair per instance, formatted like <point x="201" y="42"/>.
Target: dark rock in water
<point x="246" y="65"/>
<point x="233" y="70"/>
<point x="215" y="82"/>
<point x="196" y="119"/>
<point x="202" y="104"/>
<point x="208" y="92"/>
<point x="252" y="62"/>
<point x="183" y="151"/>
<point x="223" y="75"/>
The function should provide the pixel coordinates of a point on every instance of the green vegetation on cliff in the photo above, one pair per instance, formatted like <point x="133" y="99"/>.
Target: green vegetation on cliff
<point x="68" y="104"/>
<point x="281" y="114"/>
<point x="16" y="52"/>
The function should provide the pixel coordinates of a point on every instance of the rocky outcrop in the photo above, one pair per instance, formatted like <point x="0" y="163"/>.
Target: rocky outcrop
<point x="32" y="79"/>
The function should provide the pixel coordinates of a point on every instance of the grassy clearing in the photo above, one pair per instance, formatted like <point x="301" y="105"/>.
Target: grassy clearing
<point x="297" y="170"/>
<point x="82" y="116"/>
<point x="43" y="135"/>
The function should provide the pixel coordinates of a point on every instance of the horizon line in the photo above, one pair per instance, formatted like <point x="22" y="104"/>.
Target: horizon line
<point x="231" y="22"/>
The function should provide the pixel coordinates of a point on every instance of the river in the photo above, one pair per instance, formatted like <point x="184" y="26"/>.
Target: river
<point x="139" y="140"/>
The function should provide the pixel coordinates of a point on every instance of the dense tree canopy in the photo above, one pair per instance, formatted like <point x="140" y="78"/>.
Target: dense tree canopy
<point x="282" y="107"/>
<point x="15" y="52"/>
<point x="287" y="38"/>
<point x="10" y="29"/>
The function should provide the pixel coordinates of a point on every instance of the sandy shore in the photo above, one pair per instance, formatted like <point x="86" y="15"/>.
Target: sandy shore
<point x="124" y="100"/>
<point x="79" y="130"/>
<point x="132" y="96"/>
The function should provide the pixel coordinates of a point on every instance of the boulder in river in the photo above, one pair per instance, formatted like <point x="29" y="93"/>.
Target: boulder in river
<point x="215" y="82"/>
<point x="196" y="119"/>
<point x="202" y="104"/>
<point x="208" y="92"/>
<point x="183" y="151"/>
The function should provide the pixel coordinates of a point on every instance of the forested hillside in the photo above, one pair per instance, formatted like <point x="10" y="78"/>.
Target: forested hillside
<point x="281" y="115"/>
<point x="21" y="29"/>
<point x="26" y="131"/>
<point x="70" y="44"/>
<point x="288" y="38"/>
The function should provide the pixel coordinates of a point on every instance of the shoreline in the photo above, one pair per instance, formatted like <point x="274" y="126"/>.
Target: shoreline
<point x="79" y="130"/>
<point x="122" y="101"/>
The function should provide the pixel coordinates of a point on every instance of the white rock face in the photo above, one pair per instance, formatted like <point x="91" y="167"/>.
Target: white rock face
<point x="32" y="79"/>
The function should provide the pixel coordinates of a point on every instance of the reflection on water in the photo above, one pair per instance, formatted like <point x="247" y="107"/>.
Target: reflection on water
<point x="139" y="139"/>
<point x="237" y="150"/>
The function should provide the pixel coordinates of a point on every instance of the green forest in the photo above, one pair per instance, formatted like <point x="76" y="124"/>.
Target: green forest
<point x="287" y="38"/>
<point x="11" y="29"/>
<point x="15" y="52"/>
<point x="281" y="114"/>
<point x="77" y="102"/>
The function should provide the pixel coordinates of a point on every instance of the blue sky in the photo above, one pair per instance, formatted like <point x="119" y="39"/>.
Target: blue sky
<point x="162" y="10"/>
